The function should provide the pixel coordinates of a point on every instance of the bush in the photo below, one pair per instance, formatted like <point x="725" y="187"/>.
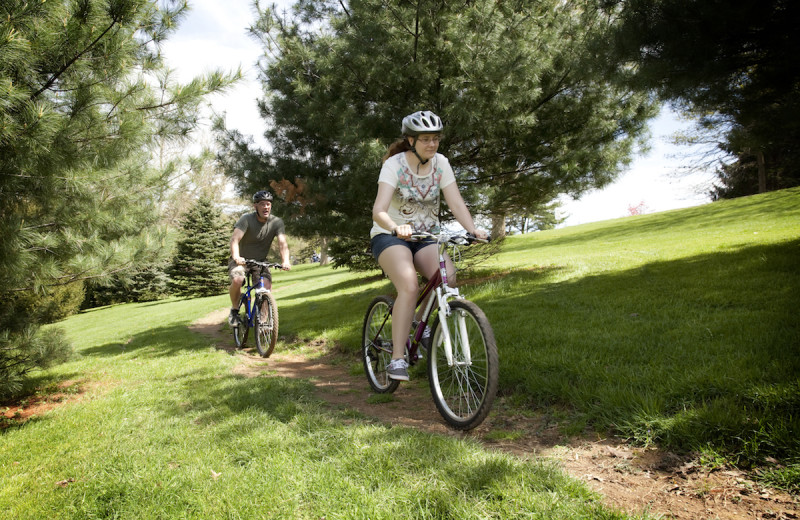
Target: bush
<point x="31" y="349"/>
<point x="60" y="302"/>
<point x="148" y="285"/>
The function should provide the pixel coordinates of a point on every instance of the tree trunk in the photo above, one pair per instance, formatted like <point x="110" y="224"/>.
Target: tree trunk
<point x="762" y="172"/>
<point x="498" y="226"/>
<point x="323" y="254"/>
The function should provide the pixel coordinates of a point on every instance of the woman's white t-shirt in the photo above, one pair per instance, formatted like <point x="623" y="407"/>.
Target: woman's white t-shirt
<point x="416" y="198"/>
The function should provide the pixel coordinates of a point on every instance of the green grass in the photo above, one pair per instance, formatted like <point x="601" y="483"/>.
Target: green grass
<point x="678" y="329"/>
<point x="166" y="430"/>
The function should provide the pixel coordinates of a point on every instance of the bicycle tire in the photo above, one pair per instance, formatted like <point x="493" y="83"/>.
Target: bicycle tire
<point x="377" y="354"/>
<point x="241" y="328"/>
<point x="266" y="324"/>
<point x="464" y="393"/>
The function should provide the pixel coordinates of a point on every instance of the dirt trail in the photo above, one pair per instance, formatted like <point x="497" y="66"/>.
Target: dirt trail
<point x="630" y="478"/>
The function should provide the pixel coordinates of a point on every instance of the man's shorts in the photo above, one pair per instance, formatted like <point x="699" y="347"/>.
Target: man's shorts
<point x="383" y="240"/>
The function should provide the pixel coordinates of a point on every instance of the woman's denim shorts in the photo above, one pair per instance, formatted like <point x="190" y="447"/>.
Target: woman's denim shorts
<point x="383" y="240"/>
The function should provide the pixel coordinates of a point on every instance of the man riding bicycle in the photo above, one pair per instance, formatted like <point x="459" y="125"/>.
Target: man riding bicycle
<point x="252" y="238"/>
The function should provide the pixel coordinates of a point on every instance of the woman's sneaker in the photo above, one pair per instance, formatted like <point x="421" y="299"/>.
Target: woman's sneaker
<point x="398" y="370"/>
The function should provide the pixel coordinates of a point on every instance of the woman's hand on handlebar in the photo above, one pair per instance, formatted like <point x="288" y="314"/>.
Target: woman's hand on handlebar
<point x="481" y="233"/>
<point x="403" y="231"/>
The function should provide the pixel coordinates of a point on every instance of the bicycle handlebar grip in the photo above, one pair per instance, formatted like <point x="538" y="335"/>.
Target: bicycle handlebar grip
<point x="472" y="239"/>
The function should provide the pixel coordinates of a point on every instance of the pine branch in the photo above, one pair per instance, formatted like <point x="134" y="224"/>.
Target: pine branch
<point x="344" y="8"/>
<point x="75" y="58"/>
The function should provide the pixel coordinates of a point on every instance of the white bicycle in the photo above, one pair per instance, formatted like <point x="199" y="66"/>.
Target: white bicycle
<point x="462" y="353"/>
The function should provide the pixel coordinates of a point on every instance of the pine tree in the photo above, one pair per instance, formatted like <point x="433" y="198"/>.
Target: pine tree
<point x="525" y="116"/>
<point x="83" y="96"/>
<point x="198" y="268"/>
<point x="733" y="67"/>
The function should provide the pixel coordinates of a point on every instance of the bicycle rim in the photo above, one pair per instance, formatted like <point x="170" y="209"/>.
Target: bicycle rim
<point x="266" y="325"/>
<point x="464" y="391"/>
<point x="377" y="347"/>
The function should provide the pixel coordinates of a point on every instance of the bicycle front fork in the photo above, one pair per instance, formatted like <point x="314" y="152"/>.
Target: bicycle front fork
<point x="461" y="329"/>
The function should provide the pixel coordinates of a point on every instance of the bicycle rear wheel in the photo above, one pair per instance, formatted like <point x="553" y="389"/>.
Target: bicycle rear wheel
<point x="464" y="391"/>
<point x="266" y="325"/>
<point x="241" y="328"/>
<point x="376" y="345"/>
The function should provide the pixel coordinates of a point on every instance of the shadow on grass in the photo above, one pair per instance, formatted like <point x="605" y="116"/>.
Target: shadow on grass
<point x="702" y="350"/>
<point x="277" y="417"/>
<point x="276" y="421"/>
<point x="327" y="290"/>
<point x="156" y="342"/>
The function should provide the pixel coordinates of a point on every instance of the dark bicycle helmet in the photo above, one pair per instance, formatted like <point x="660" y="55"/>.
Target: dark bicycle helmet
<point x="262" y="195"/>
<point x="423" y="122"/>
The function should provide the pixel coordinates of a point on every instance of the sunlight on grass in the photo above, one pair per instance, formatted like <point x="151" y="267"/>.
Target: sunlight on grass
<point x="677" y="329"/>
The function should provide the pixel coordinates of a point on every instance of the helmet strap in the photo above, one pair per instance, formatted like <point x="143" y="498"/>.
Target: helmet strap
<point x="414" y="149"/>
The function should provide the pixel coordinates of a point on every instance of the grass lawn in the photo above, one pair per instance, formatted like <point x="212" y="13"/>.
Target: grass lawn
<point x="167" y="430"/>
<point x="678" y="328"/>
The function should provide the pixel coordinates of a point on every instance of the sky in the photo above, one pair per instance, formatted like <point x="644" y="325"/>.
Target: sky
<point x="214" y="36"/>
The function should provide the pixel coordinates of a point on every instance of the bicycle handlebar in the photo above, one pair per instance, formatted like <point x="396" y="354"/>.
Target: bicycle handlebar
<point x="453" y="238"/>
<point x="270" y="265"/>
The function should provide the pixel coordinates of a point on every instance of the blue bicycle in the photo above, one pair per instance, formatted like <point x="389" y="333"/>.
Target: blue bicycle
<point x="257" y="310"/>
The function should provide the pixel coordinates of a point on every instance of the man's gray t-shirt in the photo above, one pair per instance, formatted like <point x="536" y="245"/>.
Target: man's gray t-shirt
<point x="258" y="237"/>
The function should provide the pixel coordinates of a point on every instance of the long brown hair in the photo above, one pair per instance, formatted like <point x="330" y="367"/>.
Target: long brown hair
<point x="396" y="147"/>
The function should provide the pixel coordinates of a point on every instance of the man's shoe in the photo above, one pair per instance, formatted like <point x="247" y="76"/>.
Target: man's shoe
<point x="398" y="370"/>
<point x="233" y="317"/>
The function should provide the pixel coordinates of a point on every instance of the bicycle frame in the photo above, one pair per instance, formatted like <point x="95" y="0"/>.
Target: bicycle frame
<point x="246" y="298"/>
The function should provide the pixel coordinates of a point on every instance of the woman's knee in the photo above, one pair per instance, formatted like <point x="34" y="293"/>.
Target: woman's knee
<point x="407" y="286"/>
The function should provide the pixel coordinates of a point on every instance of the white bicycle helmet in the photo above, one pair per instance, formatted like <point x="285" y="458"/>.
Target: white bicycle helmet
<point x="423" y="122"/>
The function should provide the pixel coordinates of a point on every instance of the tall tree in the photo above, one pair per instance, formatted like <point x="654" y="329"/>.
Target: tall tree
<point x="525" y="118"/>
<point x="732" y="64"/>
<point x="198" y="268"/>
<point x="83" y="92"/>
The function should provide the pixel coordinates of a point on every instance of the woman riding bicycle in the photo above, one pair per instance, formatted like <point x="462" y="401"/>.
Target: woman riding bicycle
<point x="410" y="181"/>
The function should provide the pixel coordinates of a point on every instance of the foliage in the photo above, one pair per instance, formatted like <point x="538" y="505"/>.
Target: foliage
<point x="198" y="268"/>
<point x="49" y="307"/>
<point x="84" y="96"/>
<point x="525" y="118"/>
<point x="149" y="283"/>
<point x="542" y="218"/>
<point x="26" y="350"/>
<point x="731" y="64"/>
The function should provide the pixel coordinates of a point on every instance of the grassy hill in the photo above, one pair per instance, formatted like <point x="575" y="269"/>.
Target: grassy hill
<point x="678" y="328"/>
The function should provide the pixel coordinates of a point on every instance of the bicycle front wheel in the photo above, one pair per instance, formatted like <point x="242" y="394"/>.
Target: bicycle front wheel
<point x="241" y="328"/>
<point x="463" y="390"/>
<point x="266" y="325"/>
<point x="376" y="345"/>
